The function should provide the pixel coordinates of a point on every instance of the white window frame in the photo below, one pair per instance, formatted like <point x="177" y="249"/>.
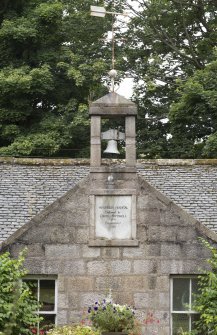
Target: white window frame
<point x="187" y="312"/>
<point x="54" y="312"/>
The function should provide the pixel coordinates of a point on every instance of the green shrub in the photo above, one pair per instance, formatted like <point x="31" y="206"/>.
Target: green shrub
<point x="17" y="304"/>
<point x="206" y="299"/>
<point x="73" y="330"/>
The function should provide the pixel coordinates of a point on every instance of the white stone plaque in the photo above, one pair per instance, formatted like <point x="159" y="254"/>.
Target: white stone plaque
<point x="113" y="216"/>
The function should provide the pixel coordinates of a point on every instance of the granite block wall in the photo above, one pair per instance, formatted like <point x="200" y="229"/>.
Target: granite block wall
<point x="57" y="241"/>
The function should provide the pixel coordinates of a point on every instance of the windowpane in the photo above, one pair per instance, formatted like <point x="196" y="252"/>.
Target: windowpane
<point x="184" y="291"/>
<point x="194" y="289"/>
<point x="47" y="295"/>
<point x="181" y="294"/>
<point x="180" y="323"/>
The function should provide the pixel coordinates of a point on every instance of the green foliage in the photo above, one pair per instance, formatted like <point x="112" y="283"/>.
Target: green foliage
<point x="167" y="41"/>
<point x="193" y="117"/>
<point x="51" y="62"/>
<point x="17" y="305"/>
<point x="53" y="53"/>
<point x="206" y="300"/>
<point x="52" y="133"/>
<point x="73" y="330"/>
<point x="210" y="147"/>
<point x="109" y="317"/>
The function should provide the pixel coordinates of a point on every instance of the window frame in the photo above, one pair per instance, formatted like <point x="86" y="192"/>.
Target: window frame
<point x="41" y="312"/>
<point x="188" y="312"/>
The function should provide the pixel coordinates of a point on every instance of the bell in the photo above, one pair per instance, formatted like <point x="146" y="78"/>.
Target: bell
<point x="112" y="148"/>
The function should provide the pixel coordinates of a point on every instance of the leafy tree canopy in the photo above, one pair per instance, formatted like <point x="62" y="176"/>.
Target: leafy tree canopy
<point x="51" y="62"/>
<point x="167" y="40"/>
<point x="194" y="116"/>
<point x="54" y="55"/>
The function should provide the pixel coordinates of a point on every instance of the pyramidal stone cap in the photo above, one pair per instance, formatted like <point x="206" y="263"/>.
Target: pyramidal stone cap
<point x="113" y="104"/>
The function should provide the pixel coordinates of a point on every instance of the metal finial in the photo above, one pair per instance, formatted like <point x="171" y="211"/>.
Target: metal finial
<point x="101" y="12"/>
<point x="113" y="74"/>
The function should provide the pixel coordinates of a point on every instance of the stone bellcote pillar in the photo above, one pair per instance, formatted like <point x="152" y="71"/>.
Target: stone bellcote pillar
<point x="110" y="106"/>
<point x="113" y="188"/>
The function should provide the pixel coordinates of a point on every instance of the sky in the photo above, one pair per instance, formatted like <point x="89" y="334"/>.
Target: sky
<point x="126" y="88"/>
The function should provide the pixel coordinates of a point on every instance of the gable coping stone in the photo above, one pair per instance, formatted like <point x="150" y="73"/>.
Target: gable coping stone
<point x="86" y="161"/>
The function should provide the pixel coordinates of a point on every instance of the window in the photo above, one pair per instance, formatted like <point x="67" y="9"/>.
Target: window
<point x="182" y="298"/>
<point x="45" y="291"/>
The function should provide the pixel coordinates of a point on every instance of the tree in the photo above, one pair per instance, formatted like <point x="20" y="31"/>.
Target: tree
<point x="167" y="40"/>
<point x="206" y="299"/>
<point x="51" y="62"/>
<point x="194" y="116"/>
<point x="17" y="305"/>
<point x="210" y="148"/>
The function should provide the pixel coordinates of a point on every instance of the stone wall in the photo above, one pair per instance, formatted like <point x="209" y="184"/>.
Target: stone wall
<point x="57" y="241"/>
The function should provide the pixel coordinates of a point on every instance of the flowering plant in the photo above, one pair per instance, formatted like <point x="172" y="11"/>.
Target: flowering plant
<point x="35" y="331"/>
<point x="41" y="331"/>
<point x="110" y="317"/>
<point x="73" y="330"/>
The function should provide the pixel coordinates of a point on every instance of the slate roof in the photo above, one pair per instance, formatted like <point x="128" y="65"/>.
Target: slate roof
<point x="29" y="185"/>
<point x="192" y="187"/>
<point x="26" y="189"/>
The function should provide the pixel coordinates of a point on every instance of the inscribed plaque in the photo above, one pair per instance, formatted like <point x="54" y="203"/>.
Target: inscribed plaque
<point x="113" y="216"/>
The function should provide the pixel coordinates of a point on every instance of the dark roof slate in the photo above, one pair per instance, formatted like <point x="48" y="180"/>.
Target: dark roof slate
<point x="26" y="189"/>
<point x="194" y="188"/>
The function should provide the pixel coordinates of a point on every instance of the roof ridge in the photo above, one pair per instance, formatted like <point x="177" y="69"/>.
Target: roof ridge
<point x="86" y="161"/>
